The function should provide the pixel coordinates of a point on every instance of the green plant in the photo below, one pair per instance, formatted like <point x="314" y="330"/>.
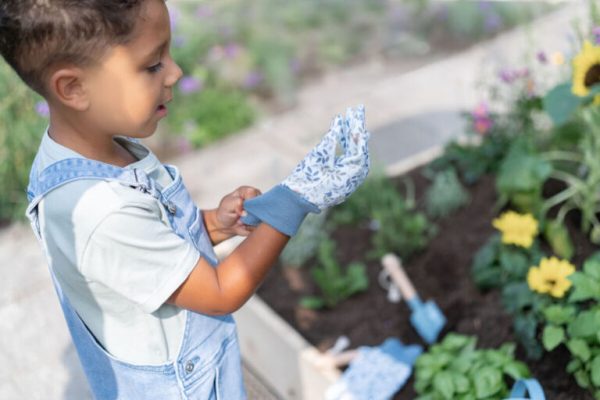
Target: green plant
<point x="455" y="369"/>
<point x="576" y="325"/>
<point x="335" y="284"/>
<point x="397" y="226"/>
<point x="210" y="114"/>
<point x="497" y="265"/>
<point x="581" y="176"/>
<point x="445" y="195"/>
<point x="20" y="133"/>
<point x="305" y="243"/>
<point x="521" y="177"/>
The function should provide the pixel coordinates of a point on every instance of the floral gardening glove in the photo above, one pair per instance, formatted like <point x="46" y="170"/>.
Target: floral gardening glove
<point x="322" y="180"/>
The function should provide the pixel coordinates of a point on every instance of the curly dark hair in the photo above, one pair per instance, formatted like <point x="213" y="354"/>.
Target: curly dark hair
<point x="37" y="34"/>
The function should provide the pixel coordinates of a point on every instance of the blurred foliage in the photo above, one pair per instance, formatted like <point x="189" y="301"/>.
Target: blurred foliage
<point x="238" y="54"/>
<point x="455" y="369"/>
<point x="445" y="195"/>
<point x="397" y="226"/>
<point x="336" y="283"/>
<point x="305" y="243"/>
<point x="20" y="132"/>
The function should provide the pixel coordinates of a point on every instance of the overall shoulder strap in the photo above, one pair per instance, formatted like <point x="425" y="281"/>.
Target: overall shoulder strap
<point x="73" y="169"/>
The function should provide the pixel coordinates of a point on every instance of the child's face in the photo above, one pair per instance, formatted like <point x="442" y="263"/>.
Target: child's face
<point x="129" y="89"/>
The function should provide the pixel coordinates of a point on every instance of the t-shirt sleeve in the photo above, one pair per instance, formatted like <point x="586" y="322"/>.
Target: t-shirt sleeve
<point x="137" y="255"/>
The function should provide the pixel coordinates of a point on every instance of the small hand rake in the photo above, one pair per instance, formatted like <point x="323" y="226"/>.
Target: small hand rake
<point x="426" y="318"/>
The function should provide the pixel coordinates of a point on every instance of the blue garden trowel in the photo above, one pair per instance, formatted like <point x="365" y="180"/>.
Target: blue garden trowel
<point x="426" y="318"/>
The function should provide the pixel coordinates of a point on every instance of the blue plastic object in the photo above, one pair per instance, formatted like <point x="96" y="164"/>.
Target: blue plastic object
<point x="426" y="318"/>
<point x="527" y="389"/>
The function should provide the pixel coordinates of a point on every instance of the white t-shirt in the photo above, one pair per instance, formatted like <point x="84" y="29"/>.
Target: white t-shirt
<point x="117" y="258"/>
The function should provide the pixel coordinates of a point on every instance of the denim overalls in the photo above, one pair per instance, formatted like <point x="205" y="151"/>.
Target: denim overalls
<point x="208" y="365"/>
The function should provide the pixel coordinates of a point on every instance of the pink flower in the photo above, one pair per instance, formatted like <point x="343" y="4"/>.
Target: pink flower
<point x="482" y="121"/>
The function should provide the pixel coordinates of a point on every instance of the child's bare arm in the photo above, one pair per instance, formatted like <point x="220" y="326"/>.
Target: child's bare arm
<point x="227" y="287"/>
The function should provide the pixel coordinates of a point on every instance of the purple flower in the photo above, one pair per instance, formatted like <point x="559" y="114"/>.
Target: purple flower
<point x="203" y="11"/>
<point x="253" y="79"/>
<point x="596" y="33"/>
<point x="506" y="75"/>
<point x="232" y="50"/>
<point x="492" y="22"/>
<point x="42" y="108"/>
<point x="542" y="58"/>
<point x="189" y="85"/>
<point x="485" y="5"/>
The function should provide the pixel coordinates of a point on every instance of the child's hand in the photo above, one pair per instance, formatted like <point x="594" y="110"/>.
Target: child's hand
<point x="231" y="210"/>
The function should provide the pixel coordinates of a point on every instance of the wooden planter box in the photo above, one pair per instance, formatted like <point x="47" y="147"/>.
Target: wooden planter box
<point x="292" y="367"/>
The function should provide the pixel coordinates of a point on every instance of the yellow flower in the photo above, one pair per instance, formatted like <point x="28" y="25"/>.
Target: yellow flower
<point x="586" y="70"/>
<point x="517" y="229"/>
<point x="550" y="277"/>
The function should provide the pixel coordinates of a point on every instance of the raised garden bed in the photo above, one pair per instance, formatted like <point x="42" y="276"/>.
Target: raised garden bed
<point x="442" y="272"/>
<point x="287" y="345"/>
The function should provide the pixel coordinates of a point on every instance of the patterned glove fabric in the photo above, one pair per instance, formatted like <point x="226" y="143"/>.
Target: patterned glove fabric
<point x="325" y="179"/>
<point x="377" y="372"/>
<point x="322" y="180"/>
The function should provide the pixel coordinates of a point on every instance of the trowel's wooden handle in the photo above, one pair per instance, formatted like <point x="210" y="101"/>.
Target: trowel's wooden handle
<point x="393" y="266"/>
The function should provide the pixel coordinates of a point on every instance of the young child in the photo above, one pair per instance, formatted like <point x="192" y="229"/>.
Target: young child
<point x="146" y="301"/>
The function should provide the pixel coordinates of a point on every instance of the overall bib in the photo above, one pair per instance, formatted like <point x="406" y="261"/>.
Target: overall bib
<point x="208" y="365"/>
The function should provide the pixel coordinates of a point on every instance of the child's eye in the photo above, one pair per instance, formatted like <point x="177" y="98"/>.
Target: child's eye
<point x="155" y="68"/>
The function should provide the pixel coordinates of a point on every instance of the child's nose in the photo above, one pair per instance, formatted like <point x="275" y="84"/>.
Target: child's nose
<point x="175" y="73"/>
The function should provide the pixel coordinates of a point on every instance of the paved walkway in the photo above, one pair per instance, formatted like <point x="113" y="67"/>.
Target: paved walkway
<point x="406" y="112"/>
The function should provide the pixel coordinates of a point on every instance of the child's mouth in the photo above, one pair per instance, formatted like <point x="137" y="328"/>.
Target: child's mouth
<point x="161" y="110"/>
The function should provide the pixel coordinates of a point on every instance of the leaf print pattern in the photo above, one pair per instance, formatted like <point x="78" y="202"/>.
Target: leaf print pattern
<point x="325" y="179"/>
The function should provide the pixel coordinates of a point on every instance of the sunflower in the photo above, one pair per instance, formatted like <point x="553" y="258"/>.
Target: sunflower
<point x="517" y="229"/>
<point x="551" y="277"/>
<point x="586" y="70"/>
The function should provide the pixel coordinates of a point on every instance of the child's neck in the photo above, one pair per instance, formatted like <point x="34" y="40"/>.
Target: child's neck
<point x="93" y="146"/>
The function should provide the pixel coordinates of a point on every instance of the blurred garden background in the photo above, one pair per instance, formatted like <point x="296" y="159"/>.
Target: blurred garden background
<point x="501" y="88"/>
<point x="244" y="60"/>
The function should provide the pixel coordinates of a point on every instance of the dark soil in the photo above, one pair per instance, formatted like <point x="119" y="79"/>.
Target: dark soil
<point x="440" y="273"/>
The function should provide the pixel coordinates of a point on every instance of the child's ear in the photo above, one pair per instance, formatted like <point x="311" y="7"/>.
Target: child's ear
<point x="66" y="85"/>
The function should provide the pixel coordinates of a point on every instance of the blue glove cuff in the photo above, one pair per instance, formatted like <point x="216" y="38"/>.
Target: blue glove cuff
<point x="281" y="208"/>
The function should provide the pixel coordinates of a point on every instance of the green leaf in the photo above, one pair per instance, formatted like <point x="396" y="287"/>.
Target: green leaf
<point x="579" y="348"/>
<point x="552" y="337"/>
<point x="596" y="371"/>
<point x="585" y="325"/>
<point x="461" y="383"/>
<point x="517" y="296"/>
<point x="488" y="381"/>
<point x="312" y="302"/>
<point x="560" y="103"/>
<point x="582" y="378"/>
<point x="444" y="385"/>
<point x="559" y="315"/>
<point x="585" y="287"/>
<point x="573" y="365"/>
<point x="558" y="237"/>
<point x="514" y="263"/>
<point x="592" y="267"/>
<point x="516" y="370"/>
